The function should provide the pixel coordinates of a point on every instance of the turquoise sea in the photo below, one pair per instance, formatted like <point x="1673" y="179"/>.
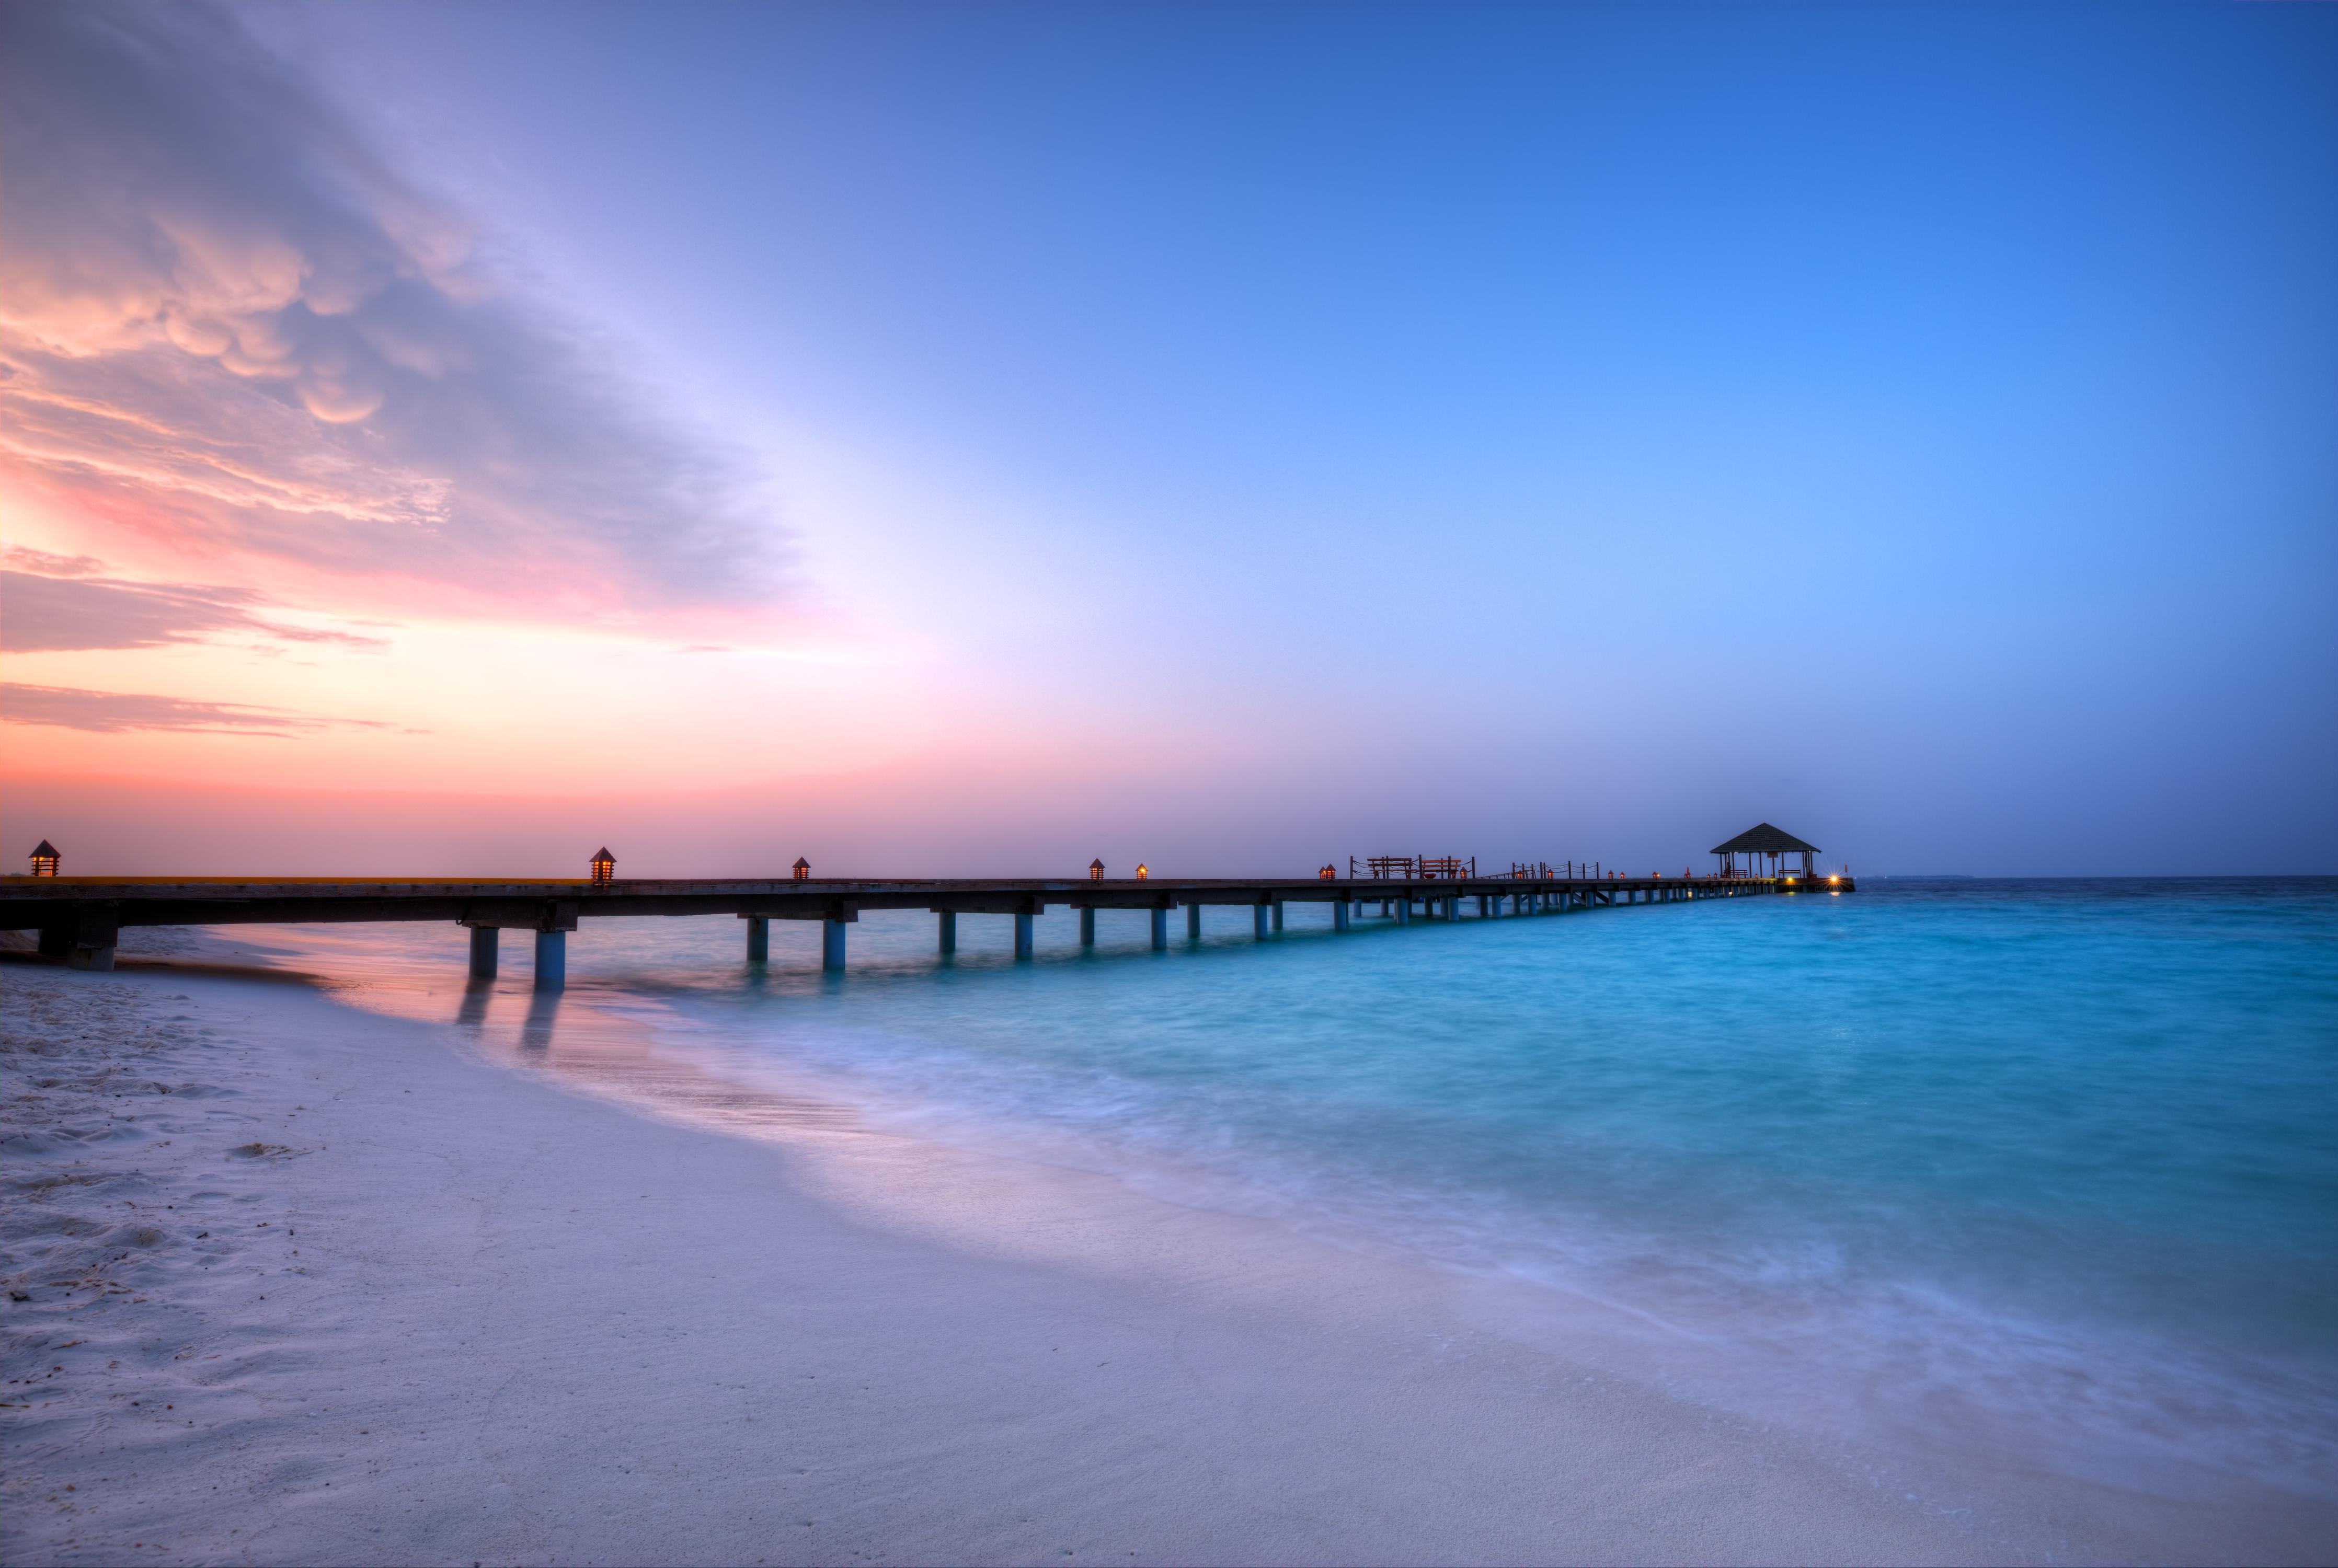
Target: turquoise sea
<point x="2046" y="1167"/>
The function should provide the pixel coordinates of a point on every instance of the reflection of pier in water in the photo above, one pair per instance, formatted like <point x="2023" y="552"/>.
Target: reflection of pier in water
<point x="80" y="918"/>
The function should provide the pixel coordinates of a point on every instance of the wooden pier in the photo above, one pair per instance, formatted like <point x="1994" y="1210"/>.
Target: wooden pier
<point x="80" y="918"/>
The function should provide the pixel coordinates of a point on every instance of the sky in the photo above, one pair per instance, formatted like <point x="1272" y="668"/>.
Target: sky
<point x="970" y="439"/>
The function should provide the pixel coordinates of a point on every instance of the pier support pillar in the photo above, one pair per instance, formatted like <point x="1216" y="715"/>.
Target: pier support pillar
<point x="1404" y="910"/>
<point x="1277" y="907"/>
<point x="759" y="939"/>
<point x="1339" y="916"/>
<point x="85" y="936"/>
<point x="1088" y="927"/>
<point x="1022" y="935"/>
<point x="946" y="930"/>
<point x="1260" y="917"/>
<point x="483" y="952"/>
<point x="831" y="945"/>
<point x="551" y="960"/>
<point x="1160" y="929"/>
<point x="1192" y="922"/>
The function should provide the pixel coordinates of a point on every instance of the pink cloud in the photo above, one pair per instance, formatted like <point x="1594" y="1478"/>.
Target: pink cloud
<point x="71" y="707"/>
<point x="59" y="605"/>
<point x="228" y="325"/>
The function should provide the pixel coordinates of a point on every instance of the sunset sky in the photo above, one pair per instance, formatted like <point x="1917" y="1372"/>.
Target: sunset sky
<point x="444" y="438"/>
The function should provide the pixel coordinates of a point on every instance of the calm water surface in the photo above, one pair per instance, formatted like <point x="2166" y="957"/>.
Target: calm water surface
<point x="2049" y="1166"/>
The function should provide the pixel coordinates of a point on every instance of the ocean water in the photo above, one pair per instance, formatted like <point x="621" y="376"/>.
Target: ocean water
<point x="2045" y="1169"/>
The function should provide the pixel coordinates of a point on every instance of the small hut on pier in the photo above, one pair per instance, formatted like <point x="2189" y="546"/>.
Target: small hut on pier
<point x="1757" y="842"/>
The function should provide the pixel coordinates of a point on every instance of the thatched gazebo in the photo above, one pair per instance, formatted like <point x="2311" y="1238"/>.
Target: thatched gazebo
<point x="1758" y="841"/>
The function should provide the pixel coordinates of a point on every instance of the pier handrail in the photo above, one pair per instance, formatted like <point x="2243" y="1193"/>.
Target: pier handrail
<point x="80" y="918"/>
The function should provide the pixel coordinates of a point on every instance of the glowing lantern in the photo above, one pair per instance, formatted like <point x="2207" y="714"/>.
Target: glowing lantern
<point x="604" y="866"/>
<point x="1142" y="872"/>
<point x="803" y="869"/>
<point x="44" y="859"/>
<point x="1095" y="870"/>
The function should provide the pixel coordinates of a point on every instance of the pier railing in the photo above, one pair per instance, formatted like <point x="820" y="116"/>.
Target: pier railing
<point x="80" y="918"/>
<point x="1412" y="867"/>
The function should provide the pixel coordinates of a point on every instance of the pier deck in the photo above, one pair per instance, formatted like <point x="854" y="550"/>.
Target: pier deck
<point x="80" y="918"/>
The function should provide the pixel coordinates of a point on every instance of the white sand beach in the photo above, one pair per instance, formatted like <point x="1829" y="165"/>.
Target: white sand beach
<point x="290" y="1282"/>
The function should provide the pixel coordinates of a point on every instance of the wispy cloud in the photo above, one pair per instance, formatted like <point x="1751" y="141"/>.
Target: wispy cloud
<point x="61" y="606"/>
<point x="225" y="319"/>
<point x="71" y="707"/>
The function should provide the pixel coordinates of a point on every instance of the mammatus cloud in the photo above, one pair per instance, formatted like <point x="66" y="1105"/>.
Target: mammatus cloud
<point x="71" y="707"/>
<point x="224" y="321"/>
<point x="60" y="605"/>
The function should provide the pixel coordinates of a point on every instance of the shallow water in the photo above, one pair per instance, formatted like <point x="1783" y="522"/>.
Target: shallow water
<point x="2049" y="1168"/>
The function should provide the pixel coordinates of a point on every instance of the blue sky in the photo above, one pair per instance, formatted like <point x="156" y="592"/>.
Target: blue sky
<point x="1538" y="430"/>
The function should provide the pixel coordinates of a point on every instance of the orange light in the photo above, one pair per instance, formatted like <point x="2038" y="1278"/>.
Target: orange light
<point x="1142" y="872"/>
<point x="1096" y="869"/>
<point x="45" y="858"/>
<point x="802" y="870"/>
<point x="605" y="865"/>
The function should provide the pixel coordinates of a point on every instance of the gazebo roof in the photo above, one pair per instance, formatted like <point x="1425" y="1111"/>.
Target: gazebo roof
<point x="46" y="850"/>
<point x="1765" y="839"/>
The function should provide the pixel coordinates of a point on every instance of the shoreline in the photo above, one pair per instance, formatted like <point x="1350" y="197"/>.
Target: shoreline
<point x="557" y="1329"/>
